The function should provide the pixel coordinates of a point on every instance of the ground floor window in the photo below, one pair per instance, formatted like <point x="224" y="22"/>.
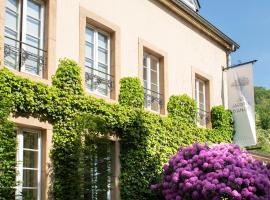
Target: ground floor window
<point x="28" y="165"/>
<point x="98" y="169"/>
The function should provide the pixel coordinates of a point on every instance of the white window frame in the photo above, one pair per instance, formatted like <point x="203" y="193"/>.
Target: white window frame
<point x="149" y="57"/>
<point x="20" y="168"/>
<point x="197" y="96"/>
<point x="96" y="31"/>
<point x="22" y="30"/>
<point x="18" y="29"/>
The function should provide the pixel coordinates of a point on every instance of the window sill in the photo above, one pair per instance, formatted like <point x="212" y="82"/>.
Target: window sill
<point x="30" y="76"/>
<point x="100" y="96"/>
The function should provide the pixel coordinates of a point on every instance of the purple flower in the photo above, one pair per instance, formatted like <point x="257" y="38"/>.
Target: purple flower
<point x="202" y="173"/>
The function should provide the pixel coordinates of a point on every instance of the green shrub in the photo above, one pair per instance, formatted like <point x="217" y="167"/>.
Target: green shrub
<point x="183" y="107"/>
<point x="131" y="92"/>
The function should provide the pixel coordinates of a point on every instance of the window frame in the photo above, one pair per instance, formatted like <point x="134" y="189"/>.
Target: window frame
<point x="149" y="57"/>
<point x="202" y="122"/>
<point x="20" y="168"/>
<point x="96" y="32"/>
<point x="22" y="32"/>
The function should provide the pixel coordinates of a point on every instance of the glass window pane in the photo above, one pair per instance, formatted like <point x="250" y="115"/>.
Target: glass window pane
<point x="88" y="63"/>
<point x="89" y="50"/>
<point x="30" y="194"/>
<point x="30" y="178"/>
<point x="89" y="35"/>
<point x="201" y="98"/>
<point x="201" y="107"/>
<point x="155" y="106"/>
<point x="154" y="103"/>
<point x="154" y="64"/>
<point x="33" y="9"/>
<point x="145" y="84"/>
<point x="12" y="4"/>
<point x="89" y="77"/>
<point x="12" y="34"/>
<point x="145" y="73"/>
<point x="102" y="56"/>
<point x="11" y="20"/>
<point x="102" y="41"/>
<point x="154" y="78"/>
<point x="32" y="41"/>
<point x="154" y="88"/>
<point x="30" y="140"/>
<point x="30" y="159"/>
<point x="201" y="85"/>
<point x="145" y="61"/>
<point x="33" y="27"/>
<point x="103" y="68"/>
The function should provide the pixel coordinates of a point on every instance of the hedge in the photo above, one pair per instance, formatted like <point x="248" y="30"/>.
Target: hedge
<point x="147" y="139"/>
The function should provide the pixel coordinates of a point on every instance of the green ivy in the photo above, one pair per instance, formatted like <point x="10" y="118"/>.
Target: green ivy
<point x="131" y="92"/>
<point x="222" y="118"/>
<point x="147" y="139"/>
<point x="7" y="151"/>
<point x="183" y="107"/>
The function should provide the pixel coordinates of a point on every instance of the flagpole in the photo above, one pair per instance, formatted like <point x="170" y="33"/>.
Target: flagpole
<point x="239" y="65"/>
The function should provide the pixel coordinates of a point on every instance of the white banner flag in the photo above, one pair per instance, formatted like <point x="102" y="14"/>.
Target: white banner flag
<point x="241" y="103"/>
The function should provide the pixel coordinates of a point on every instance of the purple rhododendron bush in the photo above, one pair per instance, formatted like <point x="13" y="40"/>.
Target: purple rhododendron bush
<point x="199" y="172"/>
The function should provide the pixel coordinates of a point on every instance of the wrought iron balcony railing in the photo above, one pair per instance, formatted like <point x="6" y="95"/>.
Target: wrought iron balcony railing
<point x="151" y="96"/>
<point x="18" y="54"/>
<point x="203" y="117"/>
<point x="99" y="80"/>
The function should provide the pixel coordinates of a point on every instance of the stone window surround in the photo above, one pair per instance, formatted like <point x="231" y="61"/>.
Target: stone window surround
<point x="46" y="130"/>
<point x="144" y="46"/>
<point x="89" y="18"/>
<point x="49" y="43"/>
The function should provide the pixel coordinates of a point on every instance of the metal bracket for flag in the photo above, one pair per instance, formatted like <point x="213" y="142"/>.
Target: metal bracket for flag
<point x="238" y="65"/>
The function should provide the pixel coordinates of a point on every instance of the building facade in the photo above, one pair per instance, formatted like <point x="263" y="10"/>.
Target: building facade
<point x="166" y="43"/>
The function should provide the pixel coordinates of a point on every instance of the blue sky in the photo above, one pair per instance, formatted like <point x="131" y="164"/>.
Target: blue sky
<point x="248" y="23"/>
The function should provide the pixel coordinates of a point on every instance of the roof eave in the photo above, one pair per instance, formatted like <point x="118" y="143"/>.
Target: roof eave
<point x="233" y="45"/>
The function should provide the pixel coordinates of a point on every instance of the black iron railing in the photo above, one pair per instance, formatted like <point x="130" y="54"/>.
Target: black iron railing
<point x="203" y="117"/>
<point x="95" y="78"/>
<point x="18" y="55"/>
<point x="151" y="96"/>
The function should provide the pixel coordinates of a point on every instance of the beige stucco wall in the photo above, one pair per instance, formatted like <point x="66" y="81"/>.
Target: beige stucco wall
<point x="186" y="48"/>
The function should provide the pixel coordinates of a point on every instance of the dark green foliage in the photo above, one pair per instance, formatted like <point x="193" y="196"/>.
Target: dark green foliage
<point x="183" y="107"/>
<point x="147" y="139"/>
<point x="68" y="78"/>
<point x="131" y="92"/>
<point x="262" y="100"/>
<point x="7" y="151"/>
<point x="221" y="118"/>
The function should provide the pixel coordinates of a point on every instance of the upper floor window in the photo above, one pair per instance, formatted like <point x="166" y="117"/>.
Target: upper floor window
<point x="28" y="165"/>
<point x="202" y="101"/>
<point x="24" y="36"/>
<point x="151" y="82"/>
<point x="98" y="77"/>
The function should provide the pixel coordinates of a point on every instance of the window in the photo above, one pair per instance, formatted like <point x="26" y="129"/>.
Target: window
<point x="99" y="169"/>
<point x="24" y="36"/>
<point x="28" y="165"/>
<point x="98" y="77"/>
<point x="151" y="82"/>
<point x="201" y="99"/>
